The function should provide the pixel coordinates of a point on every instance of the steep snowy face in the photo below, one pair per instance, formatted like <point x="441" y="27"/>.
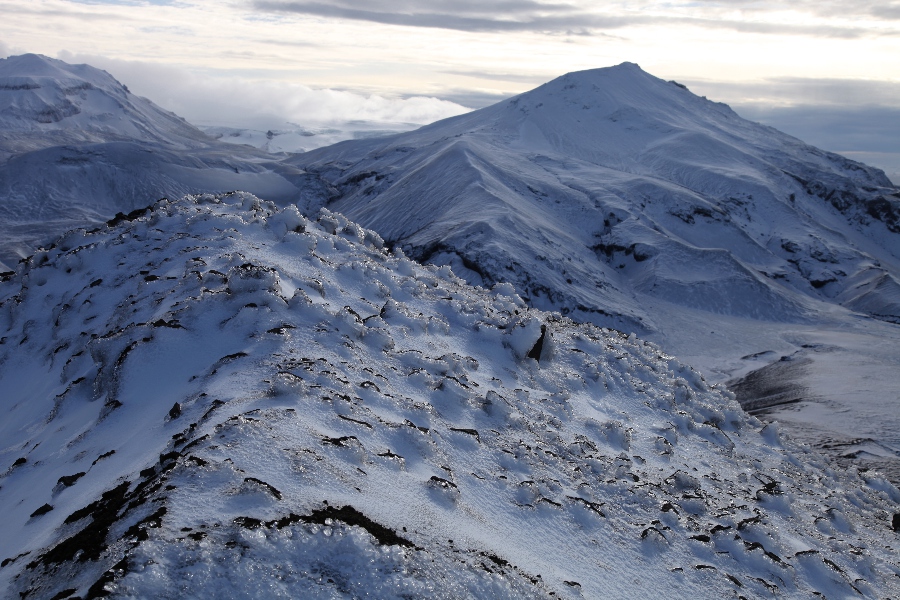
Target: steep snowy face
<point x="44" y="101"/>
<point x="217" y="398"/>
<point x="603" y="187"/>
<point x="76" y="147"/>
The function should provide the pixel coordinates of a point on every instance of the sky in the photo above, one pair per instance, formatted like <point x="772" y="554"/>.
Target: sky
<point x="825" y="71"/>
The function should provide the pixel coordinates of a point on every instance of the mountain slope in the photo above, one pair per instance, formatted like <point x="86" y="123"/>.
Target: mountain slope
<point x="621" y="182"/>
<point x="44" y="102"/>
<point x="230" y="400"/>
<point x="627" y="201"/>
<point x="76" y="147"/>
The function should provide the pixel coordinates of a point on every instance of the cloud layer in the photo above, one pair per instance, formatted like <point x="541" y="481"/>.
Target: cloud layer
<point x="747" y="16"/>
<point x="244" y="102"/>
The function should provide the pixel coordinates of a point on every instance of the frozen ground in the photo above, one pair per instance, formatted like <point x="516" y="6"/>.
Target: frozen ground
<point x="218" y="398"/>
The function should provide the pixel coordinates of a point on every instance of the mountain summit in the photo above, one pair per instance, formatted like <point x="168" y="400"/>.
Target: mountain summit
<point x="45" y="101"/>
<point x="76" y="147"/>
<point x="616" y="197"/>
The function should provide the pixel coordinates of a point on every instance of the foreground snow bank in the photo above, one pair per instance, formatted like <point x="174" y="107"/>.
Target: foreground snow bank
<point x="217" y="397"/>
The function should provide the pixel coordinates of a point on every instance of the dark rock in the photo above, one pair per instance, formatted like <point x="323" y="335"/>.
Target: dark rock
<point x="175" y="411"/>
<point x="43" y="510"/>
<point x="69" y="480"/>
<point x="271" y="489"/>
<point x="538" y="347"/>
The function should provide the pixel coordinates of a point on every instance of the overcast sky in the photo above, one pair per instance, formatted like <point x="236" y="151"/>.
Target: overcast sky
<point x="826" y="71"/>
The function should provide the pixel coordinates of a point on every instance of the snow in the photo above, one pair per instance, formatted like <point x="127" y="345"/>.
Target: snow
<point x="263" y="405"/>
<point x="76" y="147"/>
<point x="620" y="199"/>
<point x="43" y="98"/>
<point x="233" y="397"/>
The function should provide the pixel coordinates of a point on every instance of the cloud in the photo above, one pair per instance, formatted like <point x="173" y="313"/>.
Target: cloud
<point x="464" y="16"/>
<point x="532" y="79"/>
<point x="473" y="98"/>
<point x="830" y="8"/>
<point x="535" y="16"/>
<point x="869" y="134"/>
<point x="787" y="91"/>
<point x="10" y="8"/>
<point x="243" y="102"/>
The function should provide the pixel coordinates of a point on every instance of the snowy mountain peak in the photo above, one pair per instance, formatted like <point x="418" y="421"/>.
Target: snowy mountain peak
<point x="631" y="182"/>
<point x="76" y="147"/>
<point x="78" y="103"/>
<point x="38" y="66"/>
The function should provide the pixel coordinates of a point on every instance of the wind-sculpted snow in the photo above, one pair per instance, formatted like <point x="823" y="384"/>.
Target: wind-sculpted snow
<point x="218" y="398"/>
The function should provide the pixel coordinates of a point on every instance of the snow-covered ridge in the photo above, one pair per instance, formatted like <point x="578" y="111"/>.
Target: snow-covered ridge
<point x="216" y="397"/>
<point x="76" y="147"/>
<point x="46" y="101"/>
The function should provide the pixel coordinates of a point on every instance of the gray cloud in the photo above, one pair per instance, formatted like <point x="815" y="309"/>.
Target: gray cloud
<point x="869" y="134"/>
<point x="891" y="11"/>
<point x="510" y="77"/>
<point x="472" y="98"/>
<point x="802" y="91"/>
<point x="844" y="9"/>
<point x="531" y="15"/>
<point x="12" y="8"/>
<point x="499" y="15"/>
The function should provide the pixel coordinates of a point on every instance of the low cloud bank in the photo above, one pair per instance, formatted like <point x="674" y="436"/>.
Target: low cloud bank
<point x="243" y="102"/>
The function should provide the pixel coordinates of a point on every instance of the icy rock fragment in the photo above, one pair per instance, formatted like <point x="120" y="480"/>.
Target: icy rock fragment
<point x="523" y="335"/>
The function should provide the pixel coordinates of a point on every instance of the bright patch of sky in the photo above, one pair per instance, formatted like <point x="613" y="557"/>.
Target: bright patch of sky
<point x="750" y="53"/>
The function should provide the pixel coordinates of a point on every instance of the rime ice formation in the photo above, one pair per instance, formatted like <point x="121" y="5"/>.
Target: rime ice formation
<point x="215" y="397"/>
